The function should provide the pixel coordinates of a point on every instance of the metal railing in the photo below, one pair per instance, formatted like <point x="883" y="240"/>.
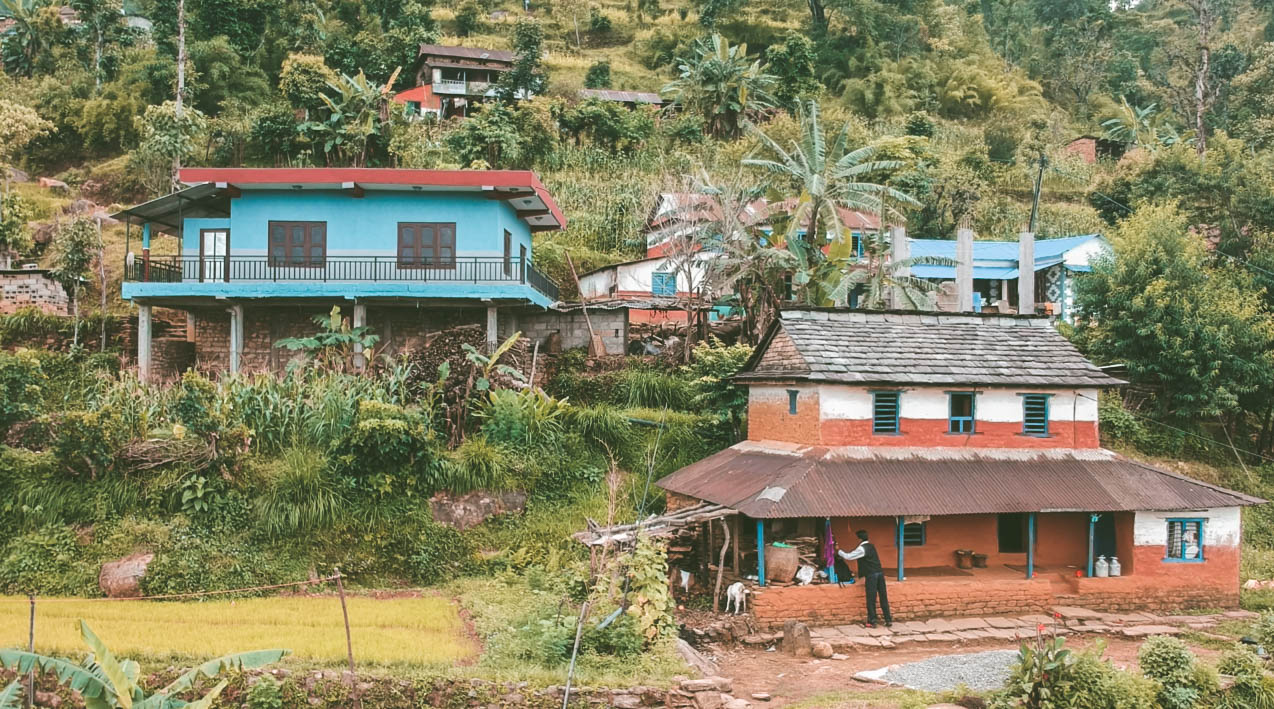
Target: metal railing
<point x="262" y="268"/>
<point x="450" y="86"/>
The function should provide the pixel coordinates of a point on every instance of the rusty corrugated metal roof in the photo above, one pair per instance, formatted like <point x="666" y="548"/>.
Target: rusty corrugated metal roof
<point x="776" y="480"/>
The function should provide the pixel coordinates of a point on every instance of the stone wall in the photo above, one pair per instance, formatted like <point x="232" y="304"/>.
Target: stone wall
<point x="914" y="599"/>
<point x="32" y="289"/>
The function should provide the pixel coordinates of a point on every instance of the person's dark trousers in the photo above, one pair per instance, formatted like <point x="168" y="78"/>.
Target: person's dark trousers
<point x="876" y="585"/>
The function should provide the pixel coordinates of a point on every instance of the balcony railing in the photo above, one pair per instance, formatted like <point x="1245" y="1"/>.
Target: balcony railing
<point x="460" y="86"/>
<point x="263" y="269"/>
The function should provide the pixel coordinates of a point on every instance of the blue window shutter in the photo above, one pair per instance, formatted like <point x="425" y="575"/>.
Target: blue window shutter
<point x="884" y="412"/>
<point x="1035" y="414"/>
<point x="961" y="412"/>
<point x="791" y="400"/>
<point x="663" y="283"/>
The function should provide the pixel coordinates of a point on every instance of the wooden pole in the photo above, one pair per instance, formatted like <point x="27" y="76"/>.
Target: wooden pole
<point x="570" y="671"/>
<point x="101" y="276"/>
<point x="716" y="593"/>
<point x="734" y="562"/>
<point x="349" y="644"/>
<point x="594" y="342"/>
<point x="30" y="698"/>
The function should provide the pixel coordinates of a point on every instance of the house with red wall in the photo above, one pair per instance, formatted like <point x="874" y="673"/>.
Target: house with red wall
<point x="941" y="433"/>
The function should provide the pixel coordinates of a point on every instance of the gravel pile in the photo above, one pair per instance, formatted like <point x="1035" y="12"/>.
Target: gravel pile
<point x="979" y="671"/>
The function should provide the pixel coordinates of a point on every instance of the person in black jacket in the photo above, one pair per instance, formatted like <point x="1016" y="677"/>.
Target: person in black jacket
<point x="873" y="576"/>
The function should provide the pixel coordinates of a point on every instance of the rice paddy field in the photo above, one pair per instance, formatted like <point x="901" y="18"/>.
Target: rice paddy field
<point x="415" y="632"/>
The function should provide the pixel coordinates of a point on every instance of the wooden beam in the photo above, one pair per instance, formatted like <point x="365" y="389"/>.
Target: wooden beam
<point x="734" y="540"/>
<point x="532" y="212"/>
<point x="355" y="189"/>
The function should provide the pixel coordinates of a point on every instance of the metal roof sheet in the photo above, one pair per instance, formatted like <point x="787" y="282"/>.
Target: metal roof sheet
<point x="200" y="201"/>
<point x="776" y="480"/>
<point x="476" y="53"/>
<point x="624" y="96"/>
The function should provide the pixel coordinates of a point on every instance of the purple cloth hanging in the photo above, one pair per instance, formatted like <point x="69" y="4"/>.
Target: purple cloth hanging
<point x="829" y="545"/>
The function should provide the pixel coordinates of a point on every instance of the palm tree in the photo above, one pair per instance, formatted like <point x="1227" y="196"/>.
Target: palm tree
<point x="723" y="84"/>
<point x="877" y="276"/>
<point x="106" y="682"/>
<point x="826" y="178"/>
<point x="1143" y="127"/>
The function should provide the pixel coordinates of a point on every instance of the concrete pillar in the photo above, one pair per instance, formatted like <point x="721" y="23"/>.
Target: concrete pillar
<point x="492" y="333"/>
<point x="190" y="326"/>
<point x="1026" y="273"/>
<point x="964" y="269"/>
<point x="236" y="338"/>
<point x="143" y="342"/>
<point x="360" y="320"/>
<point x="899" y="251"/>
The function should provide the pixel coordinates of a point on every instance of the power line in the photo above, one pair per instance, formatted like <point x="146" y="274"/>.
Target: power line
<point x="1157" y="422"/>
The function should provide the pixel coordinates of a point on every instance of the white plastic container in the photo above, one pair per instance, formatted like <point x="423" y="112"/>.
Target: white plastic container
<point x="1101" y="569"/>
<point x="1114" y="566"/>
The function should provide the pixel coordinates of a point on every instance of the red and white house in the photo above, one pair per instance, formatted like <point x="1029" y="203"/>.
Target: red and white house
<point x="943" y="432"/>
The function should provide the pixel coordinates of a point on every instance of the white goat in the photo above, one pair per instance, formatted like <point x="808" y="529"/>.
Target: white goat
<point x="737" y="594"/>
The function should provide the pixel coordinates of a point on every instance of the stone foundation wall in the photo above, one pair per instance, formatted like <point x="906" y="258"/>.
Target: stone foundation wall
<point x="914" y="599"/>
<point x="32" y="289"/>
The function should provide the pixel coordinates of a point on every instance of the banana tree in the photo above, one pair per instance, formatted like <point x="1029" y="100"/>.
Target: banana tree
<point x="357" y="114"/>
<point x="876" y="276"/>
<point x="106" y="682"/>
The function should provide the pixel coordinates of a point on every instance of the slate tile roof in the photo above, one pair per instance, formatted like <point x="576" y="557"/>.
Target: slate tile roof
<point x="938" y="349"/>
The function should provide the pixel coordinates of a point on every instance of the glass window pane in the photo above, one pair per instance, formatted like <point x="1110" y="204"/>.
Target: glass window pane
<point x="277" y="234"/>
<point x="318" y="234"/>
<point x="298" y="253"/>
<point x="298" y="234"/>
<point x="316" y="253"/>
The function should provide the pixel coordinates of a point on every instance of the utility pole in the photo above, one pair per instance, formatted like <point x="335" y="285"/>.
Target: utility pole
<point x="181" y="81"/>
<point x="1039" y="182"/>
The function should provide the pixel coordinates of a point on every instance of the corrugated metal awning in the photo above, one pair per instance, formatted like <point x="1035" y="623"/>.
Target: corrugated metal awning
<point x="777" y="480"/>
<point x="166" y="213"/>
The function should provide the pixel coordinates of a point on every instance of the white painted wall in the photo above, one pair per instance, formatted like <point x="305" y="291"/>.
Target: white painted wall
<point x="999" y="405"/>
<point x="637" y="277"/>
<point x="1086" y="253"/>
<point x="1221" y="527"/>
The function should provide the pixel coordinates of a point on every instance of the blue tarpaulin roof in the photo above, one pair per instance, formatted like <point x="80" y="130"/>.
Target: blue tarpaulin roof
<point x="994" y="260"/>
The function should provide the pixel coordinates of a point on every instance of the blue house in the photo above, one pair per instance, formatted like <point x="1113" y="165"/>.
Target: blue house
<point x="997" y="267"/>
<point x="407" y="252"/>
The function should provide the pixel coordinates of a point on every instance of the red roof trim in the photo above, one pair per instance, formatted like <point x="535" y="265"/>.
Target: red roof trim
<point x="374" y="176"/>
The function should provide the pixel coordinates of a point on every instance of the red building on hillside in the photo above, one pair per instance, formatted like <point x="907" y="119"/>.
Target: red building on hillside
<point x="946" y="433"/>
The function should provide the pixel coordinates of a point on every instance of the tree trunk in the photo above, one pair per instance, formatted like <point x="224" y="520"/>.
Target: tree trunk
<point x="818" y="14"/>
<point x="1205" y="18"/>
<point x="101" y="276"/>
<point x="97" y="62"/>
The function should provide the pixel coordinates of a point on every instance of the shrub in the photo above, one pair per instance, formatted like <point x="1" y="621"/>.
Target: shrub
<point x="602" y="425"/>
<point x="598" y="76"/>
<point x="20" y="388"/>
<point x="1251" y="687"/>
<point x="386" y="448"/>
<point x="1042" y="674"/>
<point x="439" y="554"/>
<point x="528" y="416"/>
<point x="1098" y="685"/>
<point x="89" y="442"/>
<point x="199" y="559"/>
<point x="197" y="406"/>
<point x="1168" y="661"/>
<point x="298" y="494"/>
<point x="620" y="639"/>
<point x="654" y="389"/>
<point x="48" y="561"/>
<point x="265" y="694"/>
<point x="477" y="464"/>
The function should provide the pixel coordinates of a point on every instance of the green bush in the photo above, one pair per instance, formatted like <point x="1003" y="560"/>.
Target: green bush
<point x="21" y="394"/>
<point x="48" y="561"/>
<point x="298" y="494"/>
<point x="1169" y="662"/>
<point x="89" y="443"/>
<point x="1097" y="685"/>
<point x="1251" y="689"/>
<point x="265" y="694"/>
<point x="440" y="553"/>
<point x="387" y="450"/>
<point x="476" y="464"/>
<point x="654" y="389"/>
<point x="199" y="559"/>
<point x="527" y="417"/>
<point x="197" y="406"/>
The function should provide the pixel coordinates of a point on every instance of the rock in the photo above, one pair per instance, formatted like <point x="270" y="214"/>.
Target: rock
<point x="49" y="183"/>
<point x="761" y="696"/>
<point x="1139" y="631"/>
<point x="474" y="508"/>
<point x="724" y="684"/>
<point x="699" y="685"/>
<point x="708" y="700"/>
<point x="822" y="649"/>
<point x="695" y="659"/>
<point x="738" y="704"/>
<point x="840" y="656"/>
<point x="796" y="639"/>
<point x="625" y="701"/>
<point x="16" y="175"/>
<point x="122" y="578"/>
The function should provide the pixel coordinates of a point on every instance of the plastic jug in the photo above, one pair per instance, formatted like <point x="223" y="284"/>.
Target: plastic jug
<point x="1101" y="569"/>
<point x="1114" y="566"/>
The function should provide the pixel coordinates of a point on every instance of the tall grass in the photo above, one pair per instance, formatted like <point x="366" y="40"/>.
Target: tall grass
<point x="477" y="464"/>
<point x="298" y="494"/>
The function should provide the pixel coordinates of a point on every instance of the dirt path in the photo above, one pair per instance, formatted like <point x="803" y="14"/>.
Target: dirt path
<point x="788" y="679"/>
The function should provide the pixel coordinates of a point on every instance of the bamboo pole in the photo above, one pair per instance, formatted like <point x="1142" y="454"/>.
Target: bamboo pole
<point x="716" y="593"/>
<point x="349" y="644"/>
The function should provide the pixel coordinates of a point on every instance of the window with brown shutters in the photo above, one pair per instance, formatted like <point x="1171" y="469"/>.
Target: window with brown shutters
<point x="298" y="244"/>
<point x="508" y="253"/>
<point x="426" y="244"/>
